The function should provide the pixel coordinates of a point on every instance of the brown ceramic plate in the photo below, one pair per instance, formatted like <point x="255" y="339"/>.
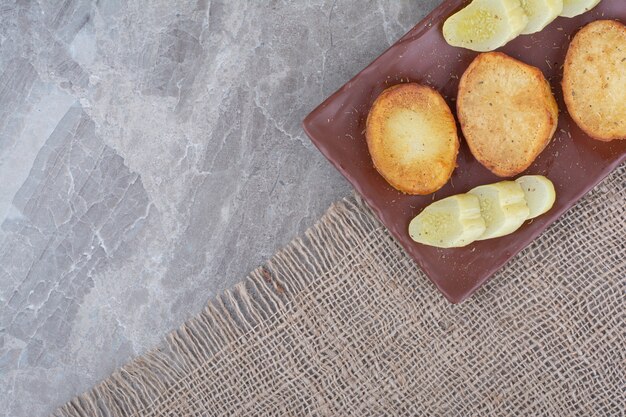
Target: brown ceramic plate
<point x="573" y="161"/>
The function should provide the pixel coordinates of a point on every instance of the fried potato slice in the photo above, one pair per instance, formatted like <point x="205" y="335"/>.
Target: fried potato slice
<point x="594" y="80"/>
<point x="412" y="138"/>
<point x="507" y="112"/>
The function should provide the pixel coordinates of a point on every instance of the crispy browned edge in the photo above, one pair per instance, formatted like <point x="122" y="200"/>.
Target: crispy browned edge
<point x="453" y="165"/>
<point x="574" y="47"/>
<point x="552" y="112"/>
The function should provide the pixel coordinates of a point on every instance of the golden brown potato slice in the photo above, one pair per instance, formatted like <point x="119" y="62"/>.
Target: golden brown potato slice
<point x="594" y="80"/>
<point x="507" y="112"/>
<point x="412" y="138"/>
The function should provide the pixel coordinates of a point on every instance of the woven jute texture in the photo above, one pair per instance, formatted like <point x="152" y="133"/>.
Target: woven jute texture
<point x="342" y="323"/>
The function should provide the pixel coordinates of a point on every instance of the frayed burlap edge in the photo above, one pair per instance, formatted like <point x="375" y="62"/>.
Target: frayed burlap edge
<point x="252" y="303"/>
<point x="255" y="303"/>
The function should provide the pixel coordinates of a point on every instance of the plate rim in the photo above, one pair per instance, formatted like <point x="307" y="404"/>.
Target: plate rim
<point x="444" y="8"/>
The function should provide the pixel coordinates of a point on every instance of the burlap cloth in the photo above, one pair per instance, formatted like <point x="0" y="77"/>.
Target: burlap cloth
<point x="342" y="323"/>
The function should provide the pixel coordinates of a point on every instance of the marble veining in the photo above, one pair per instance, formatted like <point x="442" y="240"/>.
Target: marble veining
<point x="151" y="155"/>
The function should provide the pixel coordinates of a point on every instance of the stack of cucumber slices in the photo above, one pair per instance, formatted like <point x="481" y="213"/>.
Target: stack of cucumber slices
<point x="485" y="25"/>
<point x="485" y="212"/>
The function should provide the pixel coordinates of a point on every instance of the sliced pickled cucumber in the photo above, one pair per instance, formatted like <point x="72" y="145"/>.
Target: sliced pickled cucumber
<point x="538" y="192"/>
<point x="449" y="223"/>
<point x="540" y="13"/>
<point x="573" y="8"/>
<point x="502" y="206"/>
<point x="485" y="25"/>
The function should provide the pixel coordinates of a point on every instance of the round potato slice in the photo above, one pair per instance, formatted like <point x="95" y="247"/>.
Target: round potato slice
<point x="451" y="222"/>
<point x="412" y="138"/>
<point x="502" y="206"/>
<point x="538" y="193"/>
<point x="540" y="13"/>
<point x="594" y="80"/>
<point x="507" y="112"/>
<point x="573" y="8"/>
<point x="485" y="25"/>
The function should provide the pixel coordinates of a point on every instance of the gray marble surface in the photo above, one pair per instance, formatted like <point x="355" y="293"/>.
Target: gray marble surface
<point x="150" y="156"/>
